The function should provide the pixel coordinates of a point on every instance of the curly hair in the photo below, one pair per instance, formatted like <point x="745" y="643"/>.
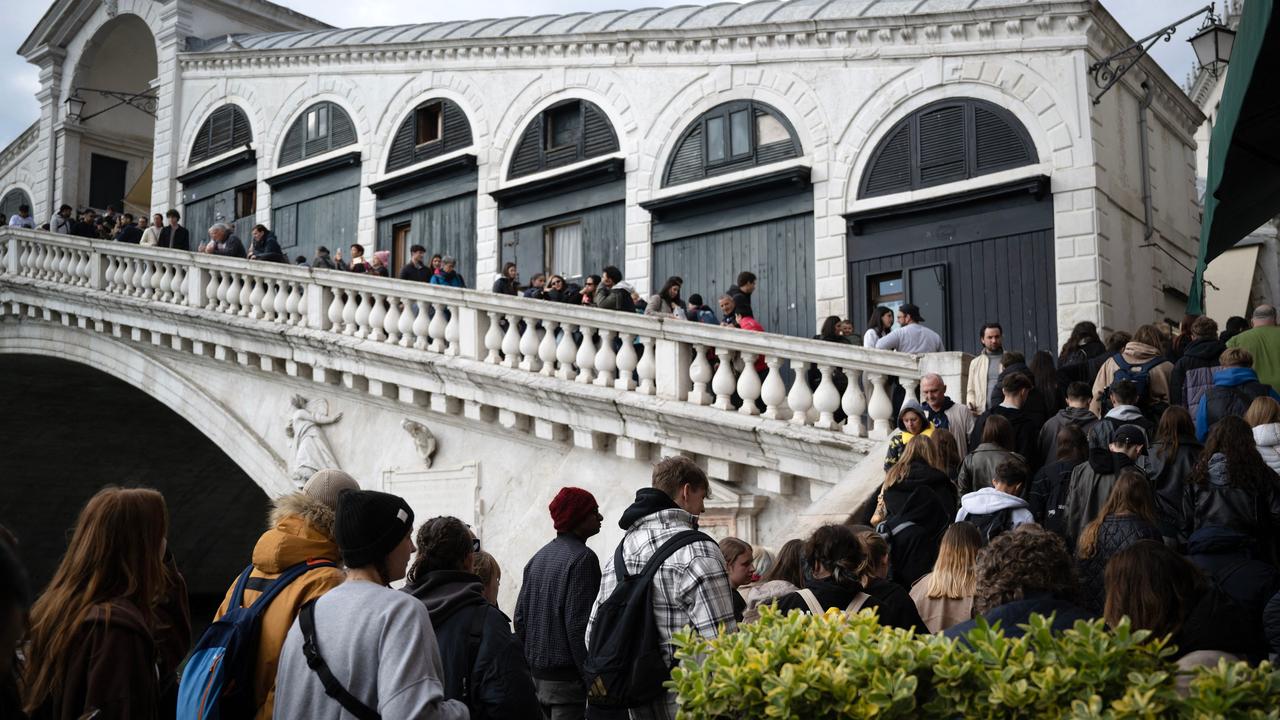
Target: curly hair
<point x="837" y="549"/>
<point x="1232" y="438"/>
<point x="1026" y="560"/>
<point x="443" y="544"/>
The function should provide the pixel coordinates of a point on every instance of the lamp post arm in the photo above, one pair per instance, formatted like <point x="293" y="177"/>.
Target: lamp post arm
<point x="1105" y="73"/>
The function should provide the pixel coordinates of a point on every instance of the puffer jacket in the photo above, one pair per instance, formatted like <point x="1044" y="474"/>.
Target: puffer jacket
<point x="1229" y="559"/>
<point x="1268" y="439"/>
<point x="1116" y="533"/>
<point x="498" y="677"/>
<point x="979" y="466"/>
<point x="1091" y="484"/>
<point x="1199" y="354"/>
<point x="302" y="531"/>
<point x="1135" y="353"/>
<point x="1227" y="502"/>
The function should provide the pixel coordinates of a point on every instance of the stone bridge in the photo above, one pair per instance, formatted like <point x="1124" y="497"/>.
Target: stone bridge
<point x="467" y="403"/>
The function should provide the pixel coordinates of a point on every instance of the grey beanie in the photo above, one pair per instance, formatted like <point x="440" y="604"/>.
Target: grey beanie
<point x="325" y="485"/>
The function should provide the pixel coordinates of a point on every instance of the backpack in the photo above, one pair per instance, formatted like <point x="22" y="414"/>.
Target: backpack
<point x="1196" y="383"/>
<point x="991" y="525"/>
<point x="1139" y="375"/>
<point x="816" y="608"/>
<point x="1234" y="400"/>
<point x="218" y="679"/>
<point x="625" y="667"/>
<point x="1055" y="506"/>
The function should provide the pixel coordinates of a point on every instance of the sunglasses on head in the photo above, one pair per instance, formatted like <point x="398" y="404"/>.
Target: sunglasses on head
<point x="475" y="545"/>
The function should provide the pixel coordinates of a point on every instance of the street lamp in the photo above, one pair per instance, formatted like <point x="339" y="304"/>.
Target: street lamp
<point x="1212" y="44"/>
<point x="142" y="101"/>
<point x="75" y="105"/>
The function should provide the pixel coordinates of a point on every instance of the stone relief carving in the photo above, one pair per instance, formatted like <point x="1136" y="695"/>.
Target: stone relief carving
<point x="423" y="439"/>
<point x="311" y="450"/>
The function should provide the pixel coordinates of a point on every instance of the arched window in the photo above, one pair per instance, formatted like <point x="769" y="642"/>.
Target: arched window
<point x="565" y="133"/>
<point x="323" y="127"/>
<point x="733" y="136"/>
<point x="226" y="129"/>
<point x="435" y="127"/>
<point x="11" y="201"/>
<point x="944" y="142"/>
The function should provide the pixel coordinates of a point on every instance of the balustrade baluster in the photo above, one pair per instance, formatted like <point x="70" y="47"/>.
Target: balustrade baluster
<point x="547" y="347"/>
<point x="436" y="332"/>
<point x="46" y="257"/>
<point x="800" y="397"/>
<point x="161" y="281"/>
<point x="826" y="399"/>
<point x="529" y="342"/>
<point x="299" y="317"/>
<point x="336" y="307"/>
<point x="880" y="408"/>
<point x="233" y="293"/>
<point x="391" y="322"/>
<point x="406" y="324"/>
<point x="257" y="292"/>
<point x="64" y="265"/>
<point x="700" y="376"/>
<point x="511" y="343"/>
<point x="351" y="300"/>
<point x="909" y="385"/>
<point x="293" y="302"/>
<point x="214" y="291"/>
<point x="647" y="368"/>
<point x="586" y="358"/>
<point x="86" y="277"/>
<point x="748" y="384"/>
<point x="247" y="304"/>
<point x="853" y="403"/>
<point x="377" y="318"/>
<point x="606" y="359"/>
<point x="493" y="339"/>
<point x="280" y="303"/>
<point x="178" y="284"/>
<point x="723" y="383"/>
<point x="626" y="361"/>
<point x="109" y="274"/>
<point x="452" y="334"/>
<point x="269" y="300"/>
<point x="774" y="391"/>
<point x="143" y="280"/>
<point x="566" y="352"/>
<point x="422" y="326"/>
<point x="130" y="268"/>
<point x="363" y="310"/>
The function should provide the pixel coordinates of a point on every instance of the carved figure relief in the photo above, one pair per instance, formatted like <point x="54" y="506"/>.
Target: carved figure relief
<point x="423" y="439"/>
<point x="311" y="449"/>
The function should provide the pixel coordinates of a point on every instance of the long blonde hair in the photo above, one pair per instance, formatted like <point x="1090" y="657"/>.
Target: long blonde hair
<point x="114" y="554"/>
<point x="920" y="447"/>
<point x="955" y="573"/>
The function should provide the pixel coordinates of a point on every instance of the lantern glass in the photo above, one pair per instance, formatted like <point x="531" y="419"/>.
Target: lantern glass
<point x="75" y="106"/>
<point x="1213" y="44"/>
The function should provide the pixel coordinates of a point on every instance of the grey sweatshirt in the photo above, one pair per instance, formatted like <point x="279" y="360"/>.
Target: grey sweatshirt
<point x="380" y="645"/>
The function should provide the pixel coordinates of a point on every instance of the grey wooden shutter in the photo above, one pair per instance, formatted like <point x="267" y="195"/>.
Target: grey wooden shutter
<point x="999" y="144"/>
<point x="942" y="146"/>
<point x="891" y="168"/>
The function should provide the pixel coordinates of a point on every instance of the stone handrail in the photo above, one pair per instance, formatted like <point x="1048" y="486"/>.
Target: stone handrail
<point x="669" y="358"/>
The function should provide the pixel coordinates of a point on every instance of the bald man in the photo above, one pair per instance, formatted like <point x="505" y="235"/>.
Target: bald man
<point x="1263" y="343"/>
<point x="944" y="412"/>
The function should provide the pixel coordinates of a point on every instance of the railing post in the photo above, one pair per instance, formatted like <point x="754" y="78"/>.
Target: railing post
<point x="97" y="270"/>
<point x="473" y="324"/>
<point x="672" y="359"/>
<point x="317" y="298"/>
<point x="12" y="246"/>
<point x="197" y="279"/>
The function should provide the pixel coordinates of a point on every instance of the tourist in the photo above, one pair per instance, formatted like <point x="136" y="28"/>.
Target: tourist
<point x="943" y="413"/>
<point x="1143" y="362"/>
<point x="1044" y="377"/>
<point x="323" y="260"/>
<point x="999" y="508"/>
<point x="110" y="629"/>
<point x="738" y="563"/>
<point x="1231" y="486"/>
<point x="222" y="241"/>
<point x="878" y="326"/>
<point x="61" y="222"/>
<point x="589" y="287"/>
<point x="416" y="270"/>
<point x="911" y="422"/>
<point x="1125" y="411"/>
<point x="174" y="235"/>
<point x="1047" y="498"/>
<point x="995" y="448"/>
<point x="151" y="233"/>
<point x="944" y="597"/>
<point x="762" y="558"/>
<point x="984" y="370"/>
<point x="448" y="275"/>
<point x="127" y="230"/>
<point x="1172" y="456"/>
<point x="697" y="311"/>
<point x="1264" y="417"/>
<point x="946" y="448"/>
<point x="22" y="218"/>
<point x="358" y="262"/>
<point x="911" y="336"/>
<point x="484" y="664"/>
<point x="915" y="506"/>
<point x="560" y="585"/>
<point x="832" y="556"/>
<point x="265" y="247"/>
<point x="1229" y="558"/>
<point x="486" y="567"/>
<point x="1161" y="591"/>
<point x="691" y="587"/>
<point x="84" y="226"/>
<point x="537" y="285"/>
<point x="1234" y="387"/>
<point x="743" y="289"/>
<point x="612" y="295"/>
<point x="1091" y="481"/>
<point x="1126" y="517"/>
<point x="375" y="642"/>
<point x="1076" y="413"/>
<point x="1022" y="405"/>
<point x="1082" y="346"/>
<point x="380" y="265"/>
<point x="1233" y="327"/>
<point x="435" y="264"/>
<point x="1202" y="351"/>
<point x="728" y="311"/>
<point x="667" y="302"/>
<point x="785" y="576"/>
<point x="15" y="601"/>
<point x="508" y="281"/>
<point x="301" y="533"/>
<point x="893" y="603"/>
<point x="1022" y="572"/>
<point x="1263" y="344"/>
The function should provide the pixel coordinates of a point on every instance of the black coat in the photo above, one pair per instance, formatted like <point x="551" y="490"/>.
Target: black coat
<point x="415" y="273"/>
<point x="1115" y="534"/>
<point x="895" y="606"/>
<point x="1215" y="622"/>
<point x="1014" y="614"/>
<point x="506" y="286"/>
<point x="1026" y="431"/>
<point x="1199" y="354"/>
<point x="1271" y="624"/>
<point x="1229" y="559"/>
<point x="927" y="499"/>
<point x="268" y="249"/>
<point x="130" y="234"/>
<point x="1227" y="501"/>
<point x="500" y="681"/>
<point x="1169" y="481"/>
<point x="178" y="240"/>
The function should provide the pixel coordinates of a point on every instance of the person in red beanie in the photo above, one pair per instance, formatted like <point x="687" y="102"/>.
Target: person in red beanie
<point x="560" y="586"/>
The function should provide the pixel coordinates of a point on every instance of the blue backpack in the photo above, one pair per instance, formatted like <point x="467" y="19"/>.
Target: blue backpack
<point x="217" y="683"/>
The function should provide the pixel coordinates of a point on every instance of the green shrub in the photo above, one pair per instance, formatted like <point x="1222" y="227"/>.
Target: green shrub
<point x="806" y="667"/>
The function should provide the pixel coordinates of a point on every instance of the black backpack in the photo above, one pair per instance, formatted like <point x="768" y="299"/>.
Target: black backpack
<point x="1232" y="400"/>
<point x="1140" y="376"/>
<point x="1055" y="506"/>
<point x="625" y="667"/>
<point x="991" y="525"/>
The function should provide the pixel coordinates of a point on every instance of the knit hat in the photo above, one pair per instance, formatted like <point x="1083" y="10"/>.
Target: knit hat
<point x="570" y="507"/>
<point x="370" y="525"/>
<point x="325" y="485"/>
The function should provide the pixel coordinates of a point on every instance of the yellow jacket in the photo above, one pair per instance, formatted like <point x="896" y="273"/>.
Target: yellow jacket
<point x="302" y="531"/>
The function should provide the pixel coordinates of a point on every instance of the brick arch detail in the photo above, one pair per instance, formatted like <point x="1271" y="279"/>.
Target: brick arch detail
<point x="237" y="93"/>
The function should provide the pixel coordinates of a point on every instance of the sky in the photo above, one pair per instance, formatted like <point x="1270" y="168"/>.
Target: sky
<point x="19" y="82"/>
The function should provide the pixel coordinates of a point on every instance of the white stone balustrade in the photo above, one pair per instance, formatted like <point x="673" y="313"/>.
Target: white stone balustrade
<point x="799" y="381"/>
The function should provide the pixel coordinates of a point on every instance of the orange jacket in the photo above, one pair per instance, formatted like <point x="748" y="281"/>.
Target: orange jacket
<point x="303" y="531"/>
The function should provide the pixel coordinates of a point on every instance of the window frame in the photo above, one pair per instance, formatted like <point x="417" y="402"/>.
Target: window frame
<point x="323" y="124"/>
<point x="548" y="245"/>
<point x="249" y="192"/>
<point x="548" y="125"/>
<point x="725" y="114"/>
<point x="437" y="107"/>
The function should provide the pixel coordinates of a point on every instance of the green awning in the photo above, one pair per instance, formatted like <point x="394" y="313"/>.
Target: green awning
<point x="1243" y="189"/>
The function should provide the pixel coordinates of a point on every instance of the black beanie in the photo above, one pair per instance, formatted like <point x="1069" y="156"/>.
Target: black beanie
<point x="369" y="525"/>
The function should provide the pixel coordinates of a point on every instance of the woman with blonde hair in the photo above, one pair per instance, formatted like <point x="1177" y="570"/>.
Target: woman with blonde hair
<point x="738" y="561"/>
<point x="916" y="504"/>
<point x="109" y="631"/>
<point x="944" y="597"/>
<point x="1263" y="416"/>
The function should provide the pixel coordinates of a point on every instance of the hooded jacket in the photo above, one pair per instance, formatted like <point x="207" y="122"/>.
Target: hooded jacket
<point x="989" y="500"/>
<point x="1224" y="501"/>
<point x="500" y="683"/>
<point x="1048" y="444"/>
<point x="267" y="249"/>
<point x="1101" y="432"/>
<point x="1230" y="385"/>
<point x="453" y="278"/>
<point x="1135" y="353"/>
<point x="1091" y="484"/>
<point x="1199" y="354"/>
<point x="302" y="531"/>
<point x="1229" y="558"/>
<point x="953" y="417"/>
<point x="925" y="498"/>
<point x="979" y="466"/>
<point x="898" y="443"/>
<point x="1267" y="438"/>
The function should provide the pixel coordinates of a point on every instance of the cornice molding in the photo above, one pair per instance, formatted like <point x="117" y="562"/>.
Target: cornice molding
<point x="19" y="146"/>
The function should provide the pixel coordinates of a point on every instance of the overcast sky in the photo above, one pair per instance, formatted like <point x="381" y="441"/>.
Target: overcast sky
<point x="19" y="82"/>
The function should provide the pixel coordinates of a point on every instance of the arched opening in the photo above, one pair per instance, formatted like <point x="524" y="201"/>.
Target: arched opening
<point x="74" y="429"/>
<point x="109" y="150"/>
<point x="12" y="200"/>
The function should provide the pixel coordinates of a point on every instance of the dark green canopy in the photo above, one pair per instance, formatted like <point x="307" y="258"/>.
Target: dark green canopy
<point x="1243" y="189"/>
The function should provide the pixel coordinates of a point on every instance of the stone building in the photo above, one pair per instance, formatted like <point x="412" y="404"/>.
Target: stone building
<point x="850" y="152"/>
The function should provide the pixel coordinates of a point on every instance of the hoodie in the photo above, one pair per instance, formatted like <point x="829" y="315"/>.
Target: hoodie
<point x="1244" y="387"/>
<point x="1267" y="438"/>
<point x="1091" y="484"/>
<point x="1135" y="353"/>
<point x="898" y="443"/>
<point x="1080" y="417"/>
<point x="990" y="500"/>
<point x="1101" y="432"/>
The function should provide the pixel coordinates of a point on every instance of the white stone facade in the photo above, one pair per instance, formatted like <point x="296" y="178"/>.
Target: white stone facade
<point x="841" y="82"/>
